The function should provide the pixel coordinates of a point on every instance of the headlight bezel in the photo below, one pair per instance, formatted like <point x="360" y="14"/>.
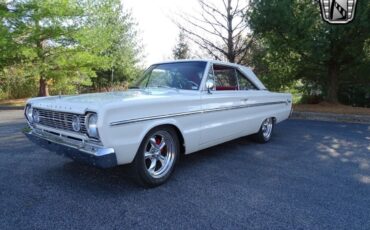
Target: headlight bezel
<point x="76" y="123"/>
<point x="35" y="116"/>
<point x="28" y="112"/>
<point x="92" y="125"/>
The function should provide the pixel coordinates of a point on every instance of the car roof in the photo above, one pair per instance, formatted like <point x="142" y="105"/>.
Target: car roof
<point x="203" y="60"/>
<point x="247" y="70"/>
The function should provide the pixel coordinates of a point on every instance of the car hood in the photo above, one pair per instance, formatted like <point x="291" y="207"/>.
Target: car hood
<point x="93" y="101"/>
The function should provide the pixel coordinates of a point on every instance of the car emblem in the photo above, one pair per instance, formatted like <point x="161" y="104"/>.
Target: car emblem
<point x="338" y="11"/>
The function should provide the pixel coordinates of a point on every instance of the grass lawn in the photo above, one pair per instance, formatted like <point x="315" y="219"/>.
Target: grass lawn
<point x="13" y="102"/>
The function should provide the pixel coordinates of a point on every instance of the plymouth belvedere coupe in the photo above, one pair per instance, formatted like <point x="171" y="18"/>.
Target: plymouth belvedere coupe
<point x="176" y="108"/>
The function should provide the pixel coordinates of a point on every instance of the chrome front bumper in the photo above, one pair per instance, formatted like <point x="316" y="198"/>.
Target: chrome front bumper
<point x="79" y="150"/>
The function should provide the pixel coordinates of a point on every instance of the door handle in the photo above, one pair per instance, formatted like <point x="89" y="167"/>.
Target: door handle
<point x="244" y="99"/>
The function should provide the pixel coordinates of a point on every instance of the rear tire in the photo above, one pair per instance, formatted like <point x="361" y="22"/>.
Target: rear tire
<point x="156" y="158"/>
<point x="265" y="133"/>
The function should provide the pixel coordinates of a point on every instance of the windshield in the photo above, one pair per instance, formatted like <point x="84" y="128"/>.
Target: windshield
<point x="179" y="75"/>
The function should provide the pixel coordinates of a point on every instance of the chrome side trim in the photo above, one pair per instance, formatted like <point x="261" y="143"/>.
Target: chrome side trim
<point x="243" y="106"/>
<point x="135" y="120"/>
<point x="153" y="118"/>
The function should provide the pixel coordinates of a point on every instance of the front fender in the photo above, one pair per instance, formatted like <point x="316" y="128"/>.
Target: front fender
<point x="157" y="123"/>
<point x="126" y="138"/>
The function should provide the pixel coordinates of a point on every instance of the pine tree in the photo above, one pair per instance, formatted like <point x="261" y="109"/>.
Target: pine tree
<point x="181" y="50"/>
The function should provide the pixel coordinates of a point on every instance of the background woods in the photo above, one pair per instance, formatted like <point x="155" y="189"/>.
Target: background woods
<point x="299" y="49"/>
<point x="75" y="46"/>
<point x="64" y="44"/>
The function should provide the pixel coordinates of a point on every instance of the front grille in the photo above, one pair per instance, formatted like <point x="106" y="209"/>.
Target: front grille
<point x="60" y="120"/>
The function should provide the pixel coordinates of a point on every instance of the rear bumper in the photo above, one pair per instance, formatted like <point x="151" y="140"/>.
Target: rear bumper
<point x="80" y="151"/>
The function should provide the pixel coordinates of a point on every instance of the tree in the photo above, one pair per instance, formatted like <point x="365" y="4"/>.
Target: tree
<point x="181" y="50"/>
<point x="65" y="40"/>
<point x="220" y="31"/>
<point x="44" y="36"/>
<point x="8" y="49"/>
<point x="299" y="45"/>
<point x="123" y="46"/>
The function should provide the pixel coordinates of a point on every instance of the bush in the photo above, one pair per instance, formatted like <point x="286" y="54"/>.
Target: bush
<point x="356" y="95"/>
<point x="3" y="94"/>
<point x="15" y="84"/>
<point x="311" y="99"/>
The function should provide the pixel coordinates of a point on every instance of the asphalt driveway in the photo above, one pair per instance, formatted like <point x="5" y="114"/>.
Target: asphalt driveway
<point x="312" y="175"/>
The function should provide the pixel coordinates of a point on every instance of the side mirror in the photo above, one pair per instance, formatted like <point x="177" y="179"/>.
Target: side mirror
<point x="209" y="85"/>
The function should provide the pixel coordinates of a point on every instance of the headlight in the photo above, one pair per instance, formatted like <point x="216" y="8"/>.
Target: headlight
<point x="92" y="129"/>
<point x="28" y="113"/>
<point x="36" y="116"/>
<point x="76" y="123"/>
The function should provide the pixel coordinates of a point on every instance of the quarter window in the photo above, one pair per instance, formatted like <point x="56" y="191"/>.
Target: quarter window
<point x="244" y="83"/>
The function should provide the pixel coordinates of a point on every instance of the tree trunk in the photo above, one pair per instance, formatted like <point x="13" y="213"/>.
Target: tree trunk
<point x="43" y="88"/>
<point x="230" y="40"/>
<point x="332" y="91"/>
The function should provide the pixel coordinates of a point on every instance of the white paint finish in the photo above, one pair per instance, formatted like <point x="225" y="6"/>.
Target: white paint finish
<point x="127" y="137"/>
<point x="203" y="119"/>
<point x="220" y="124"/>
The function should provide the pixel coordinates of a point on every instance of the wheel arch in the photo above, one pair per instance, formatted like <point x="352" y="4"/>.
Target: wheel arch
<point x="274" y="120"/>
<point x="171" y="124"/>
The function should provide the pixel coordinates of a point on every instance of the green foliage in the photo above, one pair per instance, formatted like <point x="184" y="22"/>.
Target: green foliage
<point x="66" y="43"/>
<point x="355" y="94"/>
<point x="17" y="83"/>
<point x="121" y="46"/>
<point x="299" y="45"/>
<point x="181" y="50"/>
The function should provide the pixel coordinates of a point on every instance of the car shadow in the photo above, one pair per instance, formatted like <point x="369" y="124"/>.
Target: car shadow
<point x="120" y="178"/>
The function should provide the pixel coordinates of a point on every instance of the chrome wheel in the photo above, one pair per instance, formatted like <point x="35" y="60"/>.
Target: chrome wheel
<point x="159" y="154"/>
<point x="267" y="128"/>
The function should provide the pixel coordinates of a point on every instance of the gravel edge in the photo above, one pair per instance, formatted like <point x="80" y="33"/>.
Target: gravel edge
<point x="6" y="107"/>
<point x="351" y="118"/>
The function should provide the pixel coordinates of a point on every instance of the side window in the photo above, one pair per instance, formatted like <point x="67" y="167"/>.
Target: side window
<point x="244" y="83"/>
<point x="225" y="78"/>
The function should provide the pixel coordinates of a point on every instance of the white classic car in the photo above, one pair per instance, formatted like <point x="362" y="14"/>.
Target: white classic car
<point x="176" y="108"/>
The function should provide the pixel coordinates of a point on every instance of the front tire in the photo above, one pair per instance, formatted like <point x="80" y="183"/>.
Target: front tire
<point x="157" y="156"/>
<point x="265" y="132"/>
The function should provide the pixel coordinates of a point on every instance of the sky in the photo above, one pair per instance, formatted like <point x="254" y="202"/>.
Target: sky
<point x="158" y="33"/>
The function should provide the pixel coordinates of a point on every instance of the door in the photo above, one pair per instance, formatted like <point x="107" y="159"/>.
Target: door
<point x="222" y="116"/>
<point x="252" y="109"/>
